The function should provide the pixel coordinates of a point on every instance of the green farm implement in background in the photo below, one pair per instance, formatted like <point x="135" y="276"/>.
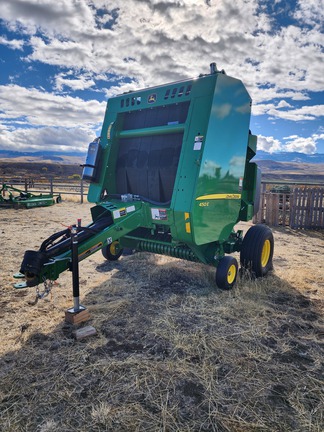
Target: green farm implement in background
<point x="16" y="198"/>
<point x="171" y="173"/>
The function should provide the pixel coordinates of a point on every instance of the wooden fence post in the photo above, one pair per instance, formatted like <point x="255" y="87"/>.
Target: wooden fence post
<point x="259" y="216"/>
<point x="81" y="189"/>
<point x="51" y="186"/>
<point x="272" y="209"/>
<point x="320" y="208"/>
<point x="292" y="208"/>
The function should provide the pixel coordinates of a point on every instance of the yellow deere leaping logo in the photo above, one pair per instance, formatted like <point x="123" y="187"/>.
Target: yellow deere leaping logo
<point x="151" y="98"/>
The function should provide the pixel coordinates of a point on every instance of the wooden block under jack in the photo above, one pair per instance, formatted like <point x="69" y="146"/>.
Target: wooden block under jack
<point x="77" y="317"/>
<point x="84" y="332"/>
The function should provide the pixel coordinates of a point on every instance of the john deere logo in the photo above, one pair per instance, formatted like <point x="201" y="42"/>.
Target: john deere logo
<point x="151" y="98"/>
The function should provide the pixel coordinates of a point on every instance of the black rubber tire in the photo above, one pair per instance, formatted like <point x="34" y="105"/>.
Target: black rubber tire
<point x="226" y="273"/>
<point x="257" y="250"/>
<point x="59" y="199"/>
<point x="112" y="252"/>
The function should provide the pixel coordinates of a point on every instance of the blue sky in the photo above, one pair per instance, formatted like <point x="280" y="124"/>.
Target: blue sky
<point x="60" y="61"/>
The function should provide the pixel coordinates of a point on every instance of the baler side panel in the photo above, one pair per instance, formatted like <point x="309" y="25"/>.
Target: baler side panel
<point x="217" y="196"/>
<point x="108" y="154"/>
<point x="252" y="183"/>
<point x="189" y="164"/>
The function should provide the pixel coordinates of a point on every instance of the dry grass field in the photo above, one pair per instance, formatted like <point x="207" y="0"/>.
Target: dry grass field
<point x="172" y="352"/>
<point x="292" y="171"/>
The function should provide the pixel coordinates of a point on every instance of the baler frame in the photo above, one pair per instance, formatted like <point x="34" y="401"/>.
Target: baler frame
<point x="170" y="175"/>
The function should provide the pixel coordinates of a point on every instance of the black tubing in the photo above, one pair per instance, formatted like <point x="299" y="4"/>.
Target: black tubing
<point x="52" y="238"/>
<point x="83" y="234"/>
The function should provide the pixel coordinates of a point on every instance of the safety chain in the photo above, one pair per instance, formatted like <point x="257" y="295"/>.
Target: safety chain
<point x="40" y="295"/>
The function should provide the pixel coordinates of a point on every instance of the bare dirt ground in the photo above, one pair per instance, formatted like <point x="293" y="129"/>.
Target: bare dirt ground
<point x="172" y="352"/>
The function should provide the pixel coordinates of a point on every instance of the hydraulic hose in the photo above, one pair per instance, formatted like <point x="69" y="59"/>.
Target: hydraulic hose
<point x="83" y="234"/>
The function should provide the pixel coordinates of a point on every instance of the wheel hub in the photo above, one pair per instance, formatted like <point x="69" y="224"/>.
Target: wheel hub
<point x="265" y="254"/>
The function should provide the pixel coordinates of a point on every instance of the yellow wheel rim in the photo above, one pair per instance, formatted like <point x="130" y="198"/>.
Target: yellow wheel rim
<point x="265" y="254"/>
<point x="113" y="248"/>
<point x="231" y="274"/>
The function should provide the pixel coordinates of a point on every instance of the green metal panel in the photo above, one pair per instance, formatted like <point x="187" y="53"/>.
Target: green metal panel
<point x="190" y="161"/>
<point x="218" y="196"/>
<point x="250" y="196"/>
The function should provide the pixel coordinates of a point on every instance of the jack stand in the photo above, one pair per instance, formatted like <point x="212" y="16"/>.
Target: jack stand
<point x="78" y="313"/>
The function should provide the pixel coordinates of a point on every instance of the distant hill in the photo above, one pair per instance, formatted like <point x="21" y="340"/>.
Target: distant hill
<point x="70" y="157"/>
<point x="43" y="156"/>
<point x="317" y="158"/>
<point x="291" y="167"/>
<point x="292" y="171"/>
<point x="284" y="166"/>
<point x="15" y="169"/>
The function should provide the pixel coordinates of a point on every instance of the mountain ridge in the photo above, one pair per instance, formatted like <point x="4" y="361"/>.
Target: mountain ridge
<point x="42" y="156"/>
<point x="63" y="157"/>
<point x="316" y="158"/>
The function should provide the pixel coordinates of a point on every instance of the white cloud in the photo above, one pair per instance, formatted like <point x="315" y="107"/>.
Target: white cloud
<point x="54" y="122"/>
<point x="301" y="145"/>
<point x="161" y="36"/>
<point x="290" y="137"/>
<point x="79" y="82"/>
<point x="309" y="112"/>
<point x="284" y="104"/>
<point x="318" y="136"/>
<point x="16" y="44"/>
<point x="46" y="139"/>
<point x="46" y="109"/>
<point x="123" y="87"/>
<point x="56" y="17"/>
<point x="293" y="143"/>
<point x="260" y="95"/>
<point x="298" y="114"/>
<point x="269" y="144"/>
<point x="310" y="12"/>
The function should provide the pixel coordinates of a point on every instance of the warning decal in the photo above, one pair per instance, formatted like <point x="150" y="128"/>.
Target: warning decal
<point x="159" y="214"/>
<point x="123" y="211"/>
